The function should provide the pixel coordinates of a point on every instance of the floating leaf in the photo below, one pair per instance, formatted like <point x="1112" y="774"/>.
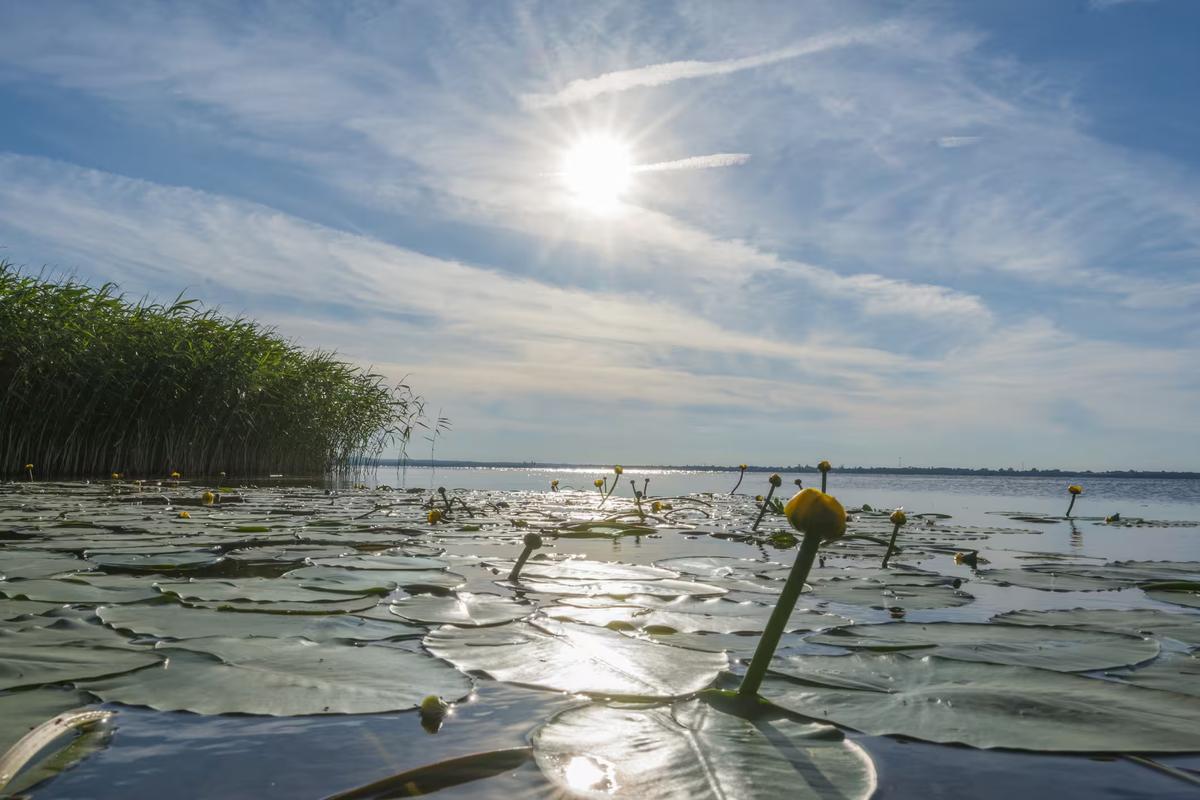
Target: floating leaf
<point x="66" y="651"/>
<point x="1062" y="649"/>
<point x="1048" y="577"/>
<point x="178" y="622"/>
<point x="1172" y="672"/>
<point x="692" y="750"/>
<point x="575" y="658"/>
<point x="1179" y="593"/>
<point x="251" y="590"/>
<point x="36" y="564"/>
<point x="984" y="705"/>
<point x="1142" y="621"/>
<point x="13" y="609"/>
<point x="371" y="581"/>
<point x="82" y="588"/>
<point x="579" y="570"/>
<point x="465" y="610"/>
<point x="284" y="677"/>
<point x="384" y="562"/>
<point x="690" y="615"/>
<point x="155" y="562"/>
<point x="881" y="594"/>
<point x="664" y="588"/>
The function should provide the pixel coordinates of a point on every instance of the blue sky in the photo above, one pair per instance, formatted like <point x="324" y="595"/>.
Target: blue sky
<point x="956" y="233"/>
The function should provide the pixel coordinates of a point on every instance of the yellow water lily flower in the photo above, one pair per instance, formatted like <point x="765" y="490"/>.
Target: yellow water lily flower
<point x="656" y="506"/>
<point x="743" y="467"/>
<point x="434" y="516"/>
<point x="598" y="483"/>
<point x="775" y="480"/>
<point x="184" y="515"/>
<point x="554" y="483"/>
<point x="28" y="467"/>
<point x="813" y="511"/>
<point x="208" y="498"/>
<point x="175" y="475"/>
<point x="898" y="517"/>
<point x="758" y="498"/>
<point x="824" y="466"/>
<point x="1075" y="489"/>
<point x="618" y="469"/>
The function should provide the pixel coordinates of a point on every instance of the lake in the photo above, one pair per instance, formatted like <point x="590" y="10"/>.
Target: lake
<point x="364" y="553"/>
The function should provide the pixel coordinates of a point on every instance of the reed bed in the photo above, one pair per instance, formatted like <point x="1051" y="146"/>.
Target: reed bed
<point x="92" y="383"/>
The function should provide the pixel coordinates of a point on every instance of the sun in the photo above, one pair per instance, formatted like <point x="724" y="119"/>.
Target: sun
<point x="596" y="170"/>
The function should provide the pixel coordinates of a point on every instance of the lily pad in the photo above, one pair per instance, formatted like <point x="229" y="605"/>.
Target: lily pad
<point x="879" y="594"/>
<point x="1143" y="621"/>
<point x="284" y="677"/>
<point x="1046" y="647"/>
<point x="383" y="562"/>
<point x="692" y="750"/>
<point x="14" y="609"/>
<point x="464" y="610"/>
<point x="1180" y="594"/>
<point x="569" y="657"/>
<point x="21" y="712"/>
<point x="984" y="705"/>
<point x="66" y="651"/>
<point x="82" y="588"/>
<point x="690" y="615"/>
<point x="580" y="570"/>
<point x="36" y="564"/>
<point x="664" y="588"/>
<point x="178" y="622"/>
<point x="251" y="590"/>
<point x="1049" y="578"/>
<point x="1172" y="672"/>
<point x="155" y="562"/>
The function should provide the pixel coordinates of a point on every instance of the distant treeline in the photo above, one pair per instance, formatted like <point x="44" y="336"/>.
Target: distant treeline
<point x="92" y="384"/>
<point x="1002" y="472"/>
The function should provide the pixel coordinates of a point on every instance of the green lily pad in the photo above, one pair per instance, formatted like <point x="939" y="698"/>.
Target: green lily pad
<point x="155" y="562"/>
<point x="83" y="588"/>
<point x="21" y="712"/>
<point x="1049" y="578"/>
<point x="178" y="622"/>
<point x="13" y="609"/>
<point x="1180" y="594"/>
<point x="464" y="610"/>
<point x="342" y="604"/>
<point x="384" y="562"/>
<point x="569" y="657"/>
<point x="36" y="564"/>
<point x="1171" y="672"/>
<point x="738" y="574"/>
<point x="250" y="590"/>
<point x="984" y="705"/>
<point x="580" y="570"/>
<point x="692" y="750"/>
<point x="1046" y="647"/>
<point x="880" y="594"/>
<point x="1180" y="626"/>
<point x="663" y="588"/>
<point x="66" y="651"/>
<point x="690" y="615"/>
<point x="284" y="677"/>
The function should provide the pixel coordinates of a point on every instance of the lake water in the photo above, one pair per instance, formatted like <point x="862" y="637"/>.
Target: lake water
<point x="189" y="755"/>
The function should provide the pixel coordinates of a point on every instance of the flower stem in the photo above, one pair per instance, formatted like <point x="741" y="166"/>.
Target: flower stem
<point x="824" y="479"/>
<point x="779" y="616"/>
<point x="739" y="483"/>
<point x="766" y="504"/>
<point x="891" y="545"/>
<point x="1071" y="505"/>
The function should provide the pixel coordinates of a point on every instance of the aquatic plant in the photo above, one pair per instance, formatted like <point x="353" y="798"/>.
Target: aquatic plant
<point x="820" y="518"/>
<point x="554" y="485"/>
<point x="434" y="516"/>
<point x="775" y="482"/>
<point x="1075" y="490"/>
<point x="898" y="519"/>
<point x="532" y="542"/>
<point x="741" y="474"/>
<point x="824" y="467"/>
<point x="92" y="383"/>
<point x="29" y="471"/>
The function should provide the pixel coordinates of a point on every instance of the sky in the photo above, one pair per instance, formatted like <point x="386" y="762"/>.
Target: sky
<point x="929" y="233"/>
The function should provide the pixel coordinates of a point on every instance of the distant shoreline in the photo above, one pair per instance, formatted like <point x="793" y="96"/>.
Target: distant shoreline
<point x="933" y="471"/>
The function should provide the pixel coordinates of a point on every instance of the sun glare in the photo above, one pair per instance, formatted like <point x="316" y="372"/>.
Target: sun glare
<point x="596" y="170"/>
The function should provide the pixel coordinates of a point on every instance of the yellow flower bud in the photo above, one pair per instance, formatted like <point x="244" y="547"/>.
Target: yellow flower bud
<point x="758" y="498"/>
<point x="434" y="516"/>
<point x="898" y="517"/>
<point x="28" y="467"/>
<point x="1075" y="489"/>
<point x="824" y="466"/>
<point x="116" y="476"/>
<point x="598" y="483"/>
<point x="184" y="515"/>
<point x="775" y="480"/>
<point x="813" y="511"/>
<point x="554" y="482"/>
<point x="656" y="506"/>
<point x="175" y="475"/>
<point x="618" y="469"/>
<point x="743" y="467"/>
<point x="208" y="498"/>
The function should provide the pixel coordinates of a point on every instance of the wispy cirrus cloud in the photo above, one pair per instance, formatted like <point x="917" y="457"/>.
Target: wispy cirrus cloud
<point x="583" y="89"/>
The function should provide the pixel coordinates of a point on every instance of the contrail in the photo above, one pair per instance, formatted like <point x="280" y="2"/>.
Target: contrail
<point x="696" y="162"/>
<point x="583" y="89"/>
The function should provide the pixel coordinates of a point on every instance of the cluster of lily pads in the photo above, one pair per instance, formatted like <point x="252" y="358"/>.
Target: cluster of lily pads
<point x="300" y="601"/>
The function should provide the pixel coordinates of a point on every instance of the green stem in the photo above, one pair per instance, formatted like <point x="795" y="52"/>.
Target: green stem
<point x="763" y="510"/>
<point x="891" y="546"/>
<point x="515" y="575"/>
<point x="824" y="479"/>
<point x="780" y="615"/>
<point x="1072" y="504"/>
<point x="739" y="483"/>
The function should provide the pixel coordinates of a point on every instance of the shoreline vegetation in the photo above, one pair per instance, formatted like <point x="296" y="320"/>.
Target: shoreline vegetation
<point x="93" y="384"/>
<point x="933" y="471"/>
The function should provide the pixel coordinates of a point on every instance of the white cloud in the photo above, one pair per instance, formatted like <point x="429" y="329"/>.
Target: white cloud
<point x="696" y="162"/>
